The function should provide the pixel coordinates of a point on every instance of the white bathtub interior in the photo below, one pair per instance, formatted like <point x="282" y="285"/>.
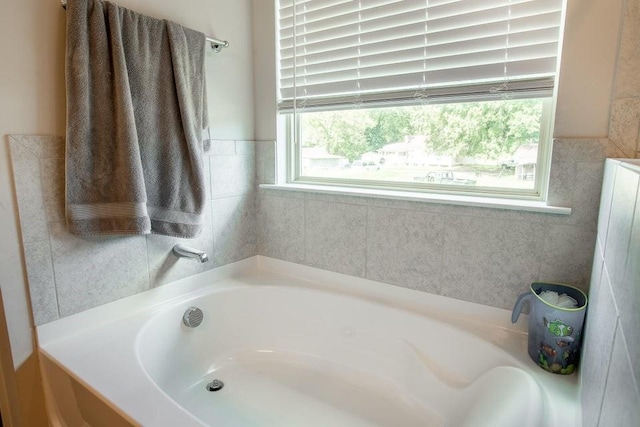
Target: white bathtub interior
<point x="298" y="346"/>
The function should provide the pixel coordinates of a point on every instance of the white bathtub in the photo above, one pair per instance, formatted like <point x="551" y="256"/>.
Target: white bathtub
<point x="297" y="346"/>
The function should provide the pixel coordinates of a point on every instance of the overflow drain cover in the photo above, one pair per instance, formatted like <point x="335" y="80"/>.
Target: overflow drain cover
<point x="215" y="385"/>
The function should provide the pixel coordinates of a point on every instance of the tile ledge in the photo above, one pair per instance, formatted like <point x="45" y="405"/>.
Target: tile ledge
<point x="447" y="199"/>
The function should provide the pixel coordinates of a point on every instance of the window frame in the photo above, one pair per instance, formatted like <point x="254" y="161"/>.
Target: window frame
<point x="531" y="81"/>
<point x="293" y="175"/>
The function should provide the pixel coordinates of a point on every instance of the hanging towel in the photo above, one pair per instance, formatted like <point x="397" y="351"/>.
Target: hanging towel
<point x="136" y="108"/>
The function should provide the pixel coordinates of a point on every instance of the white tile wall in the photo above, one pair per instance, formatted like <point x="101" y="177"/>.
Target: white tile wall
<point x="336" y="236"/>
<point x="266" y="162"/>
<point x="234" y="229"/>
<point x="165" y="268"/>
<point x="623" y="204"/>
<point x="475" y="254"/>
<point x="281" y="227"/>
<point x="67" y="273"/>
<point x="488" y="256"/>
<point x="396" y="250"/>
<point x="596" y="355"/>
<point x="611" y="369"/>
<point x="621" y="403"/>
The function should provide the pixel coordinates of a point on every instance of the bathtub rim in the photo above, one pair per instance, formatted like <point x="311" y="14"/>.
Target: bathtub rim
<point x="247" y="272"/>
<point x="418" y="302"/>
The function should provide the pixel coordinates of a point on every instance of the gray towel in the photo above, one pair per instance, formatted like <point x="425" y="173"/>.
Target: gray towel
<point x="136" y="107"/>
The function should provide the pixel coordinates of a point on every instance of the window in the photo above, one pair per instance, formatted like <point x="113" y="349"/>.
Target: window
<point x="421" y="95"/>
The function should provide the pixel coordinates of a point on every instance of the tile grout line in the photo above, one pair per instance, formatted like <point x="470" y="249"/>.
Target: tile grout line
<point x="53" y="271"/>
<point x="150" y="283"/>
<point x="366" y="241"/>
<point x="606" y="378"/>
<point x="627" y="356"/>
<point x="49" y="235"/>
<point x="304" y="229"/>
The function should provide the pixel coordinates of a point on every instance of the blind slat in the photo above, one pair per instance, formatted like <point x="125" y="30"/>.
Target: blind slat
<point x="534" y="88"/>
<point x="368" y="78"/>
<point x="412" y="48"/>
<point x="335" y="49"/>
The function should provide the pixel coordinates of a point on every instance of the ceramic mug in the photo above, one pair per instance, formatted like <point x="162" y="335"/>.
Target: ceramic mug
<point x="555" y="333"/>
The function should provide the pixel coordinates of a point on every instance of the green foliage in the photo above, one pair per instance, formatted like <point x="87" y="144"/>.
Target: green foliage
<point x="391" y="125"/>
<point x="340" y="132"/>
<point x="491" y="129"/>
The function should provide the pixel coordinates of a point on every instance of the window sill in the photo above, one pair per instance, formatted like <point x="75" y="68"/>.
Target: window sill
<point x="447" y="199"/>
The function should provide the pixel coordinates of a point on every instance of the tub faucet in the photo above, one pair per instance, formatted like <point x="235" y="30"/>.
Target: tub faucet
<point x="187" y="252"/>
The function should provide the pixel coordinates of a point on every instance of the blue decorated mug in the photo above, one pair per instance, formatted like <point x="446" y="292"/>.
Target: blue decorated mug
<point x="555" y="333"/>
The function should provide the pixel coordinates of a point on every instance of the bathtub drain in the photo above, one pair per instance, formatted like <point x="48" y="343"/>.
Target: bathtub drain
<point x="215" y="385"/>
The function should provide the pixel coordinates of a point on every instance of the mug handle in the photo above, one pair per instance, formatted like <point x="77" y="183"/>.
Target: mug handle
<point x="517" y="308"/>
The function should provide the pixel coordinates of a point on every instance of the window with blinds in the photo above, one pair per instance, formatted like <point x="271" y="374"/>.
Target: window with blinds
<point x="419" y="88"/>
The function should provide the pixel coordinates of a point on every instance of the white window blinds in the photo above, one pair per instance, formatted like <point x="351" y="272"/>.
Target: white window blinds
<point x="343" y="51"/>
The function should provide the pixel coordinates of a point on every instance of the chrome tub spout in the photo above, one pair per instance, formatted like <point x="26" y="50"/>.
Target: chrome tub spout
<point x="187" y="252"/>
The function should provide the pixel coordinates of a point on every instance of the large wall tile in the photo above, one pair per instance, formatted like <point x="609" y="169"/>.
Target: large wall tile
<point x="562" y="177"/>
<point x="576" y="176"/>
<point x="586" y="193"/>
<point x="456" y="210"/>
<point x="620" y="221"/>
<point x="337" y="198"/>
<point x="94" y="271"/>
<point x="165" y="267"/>
<point x="44" y="301"/>
<point x="53" y="189"/>
<point x="625" y="125"/>
<point x="621" y="404"/>
<point x="409" y="205"/>
<point x="221" y="147"/>
<point x="596" y="269"/>
<point x="232" y="175"/>
<point x="580" y="149"/>
<point x="614" y="306"/>
<point x="279" y="193"/>
<point x="266" y="162"/>
<point x="490" y="261"/>
<point x="627" y="293"/>
<point x="245" y="148"/>
<point x="405" y="248"/>
<point x="608" y="182"/>
<point x="207" y="178"/>
<point x="596" y="352"/>
<point x="335" y="236"/>
<point x="234" y="229"/>
<point x="82" y="273"/>
<point x="627" y="82"/>
<point x="28" y="185"/>
<point x="281" y="227"/>
<point x="567" y="255"/>
<point x="491" y="213"/>
<point x="42" y="146"/>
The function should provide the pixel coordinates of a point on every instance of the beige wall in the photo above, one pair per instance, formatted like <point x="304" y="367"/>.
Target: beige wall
<point x="32" y="102"/>
<point x="587" y="68"/>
